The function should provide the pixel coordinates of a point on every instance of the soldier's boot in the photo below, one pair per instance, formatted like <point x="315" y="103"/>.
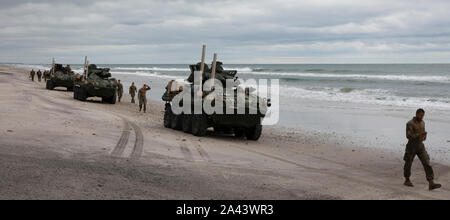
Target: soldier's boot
<point x="434" y="185"/>
<point x="408" y="183"/>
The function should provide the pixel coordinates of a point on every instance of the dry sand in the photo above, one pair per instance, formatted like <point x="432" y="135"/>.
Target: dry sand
<point x="55" y="147"/>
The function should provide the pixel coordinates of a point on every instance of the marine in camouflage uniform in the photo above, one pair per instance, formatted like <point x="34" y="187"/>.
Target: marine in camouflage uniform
<point x="32" y="73"/>
<point x="46" y="75"/>
<point x="133" y="91"/>
<point x="142" y="96"/>
<point x="416" y="135"/>
<point x="119" y="90"/>
<point x="39" y="75"/>
<point x="68" y="69"/>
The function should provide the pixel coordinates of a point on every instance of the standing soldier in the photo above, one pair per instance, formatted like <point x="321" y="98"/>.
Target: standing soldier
<point x="68" y="69"/>
<point x="119" y="90"/>
<point x="142" y="96"/>
<point x="46" y="75"/>
<point x="39" y="75"/>
<point x="32" y="75"/>
<point x="133" y="91"/>
<point x="416" y="134"/>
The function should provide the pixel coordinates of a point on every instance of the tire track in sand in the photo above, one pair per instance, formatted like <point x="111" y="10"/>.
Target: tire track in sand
<point x="123" y="140"/>
<point x="202" y="152"/>
<point x="186" y="152"/>
<point x="139" y="142"/>
<point x="138" y="147"/>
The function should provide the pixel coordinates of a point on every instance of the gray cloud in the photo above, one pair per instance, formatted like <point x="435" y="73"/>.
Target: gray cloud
<point x="288" y="31"/>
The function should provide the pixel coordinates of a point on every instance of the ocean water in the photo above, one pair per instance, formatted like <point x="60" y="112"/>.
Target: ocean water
<point x="369" y="103"/>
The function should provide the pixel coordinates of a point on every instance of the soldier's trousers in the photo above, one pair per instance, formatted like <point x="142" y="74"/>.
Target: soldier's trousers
<point x="119" y="95"/>
<point x="143" y="103"/>
<point x="39" y="78"/>
<point x="132" y="98"/>
<point x="413" y="149"/>
<point x="32" y="78"/>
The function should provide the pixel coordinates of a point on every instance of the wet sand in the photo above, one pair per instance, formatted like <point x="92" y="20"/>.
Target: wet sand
<point x="55" y="147"/>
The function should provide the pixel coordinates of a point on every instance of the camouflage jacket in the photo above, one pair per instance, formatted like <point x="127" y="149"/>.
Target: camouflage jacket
<point x="133" y="90"/>
<point x="414" y="131"/>
<point x="143" y="92"/>
<point x="120" y="87"/>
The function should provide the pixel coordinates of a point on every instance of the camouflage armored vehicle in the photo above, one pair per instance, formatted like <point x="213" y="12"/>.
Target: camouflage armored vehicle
<point x="60" y="77"/>
<point x="248" y="124"/>
<point x="96" y="82"/>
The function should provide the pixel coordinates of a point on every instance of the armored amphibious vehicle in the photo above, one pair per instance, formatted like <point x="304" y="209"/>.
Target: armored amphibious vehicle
<point x="96" y="82"/>
<point x="244" y="120"/>
<point x="60" y="77"/>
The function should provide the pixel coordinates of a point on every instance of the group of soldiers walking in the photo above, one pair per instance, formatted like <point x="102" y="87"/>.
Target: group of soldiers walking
<point x="40" y="75"/>
<point x="142" y="94"/>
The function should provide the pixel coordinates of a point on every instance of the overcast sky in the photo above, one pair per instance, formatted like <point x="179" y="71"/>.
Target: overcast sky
<point x="260" y="31"/>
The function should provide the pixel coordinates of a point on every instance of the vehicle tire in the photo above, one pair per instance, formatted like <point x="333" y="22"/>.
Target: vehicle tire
<point x="187" y="123"/>
<point x="167" y="116"/>
<point x="176" y="122"/>
<point x="50" y="85"/>
<point x="82" y="94"/>
<point x="218" y="130"/>
<point x="239" y="132"/>
<point x="254" y="133"/>
<point x="75" y="93"/>
<point x="70" y="89"/>
<point x="113" y="99"/>
<point x="199" y="125"/>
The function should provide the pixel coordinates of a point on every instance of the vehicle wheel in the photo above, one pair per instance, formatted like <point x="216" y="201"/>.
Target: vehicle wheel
<point x="187" y="123"/>
<point x="239" y="132"/>
<point x="70" y="89"/>
<point x="82" y="95"/>
<point x="75" y="93"/>
<point x="218" y="130"/>
<point x="168" y="116"/>
<point x="50" y="85"/>
<point x="199" y="125"/>
<point x="176" y="122"/>
<point x="113" y="99"/>
<point x="254" y="133"/>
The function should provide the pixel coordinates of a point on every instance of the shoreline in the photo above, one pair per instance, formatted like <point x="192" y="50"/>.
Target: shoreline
<point x="361" y="125"/>
<point x="284" y="164"/>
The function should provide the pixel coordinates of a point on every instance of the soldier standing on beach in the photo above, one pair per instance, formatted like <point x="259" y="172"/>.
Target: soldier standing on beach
<point x="32" y="75"/>
<point x="119" y="90"/>
<point x="142" y="96"/>
<point x="416" y="134"/>
<point x="133" y="91"/>
<point x="46" y="75"/>
<point x="39" y="75"/>
<point x="68" y="69"/>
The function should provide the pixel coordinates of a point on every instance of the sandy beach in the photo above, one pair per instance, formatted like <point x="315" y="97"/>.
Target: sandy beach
<point x="55" y="147"/>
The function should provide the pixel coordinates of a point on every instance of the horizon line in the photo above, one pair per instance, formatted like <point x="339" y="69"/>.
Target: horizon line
<point x="235" y="63"/>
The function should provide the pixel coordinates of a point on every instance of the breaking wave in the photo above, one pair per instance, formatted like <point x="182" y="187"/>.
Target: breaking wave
<point x="364" y="96"/>
<point x="146" y="74"/>
<point x="441" y="79"/>
<point x="150" y="69"/>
